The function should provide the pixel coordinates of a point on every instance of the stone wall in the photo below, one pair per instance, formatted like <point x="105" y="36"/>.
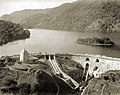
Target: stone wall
<point x="103" y="63"/>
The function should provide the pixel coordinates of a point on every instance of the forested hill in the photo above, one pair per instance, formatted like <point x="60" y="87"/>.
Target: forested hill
<point x="19" y="16"/>
<point x="85" y="15"/>
<point x="10" y="31"/>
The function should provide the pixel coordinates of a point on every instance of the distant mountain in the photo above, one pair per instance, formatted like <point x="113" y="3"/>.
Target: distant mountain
<point x="85" y="15"/>
<point x="19" y="16"/>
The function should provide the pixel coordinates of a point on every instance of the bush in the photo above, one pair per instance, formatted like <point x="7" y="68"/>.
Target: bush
<point x="106" y="77"/>
<point x="4" y="90"/>
<point x="25" y="88"/>
<point x="13" y="89"/>
<point x="9" y="82"/>
<point x="34" y="88"/>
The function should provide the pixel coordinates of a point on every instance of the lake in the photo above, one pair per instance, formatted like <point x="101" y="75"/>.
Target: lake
<point x="53" y="41"/>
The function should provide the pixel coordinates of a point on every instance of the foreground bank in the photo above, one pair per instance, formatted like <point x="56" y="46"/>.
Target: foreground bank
<point x="35" y="74"/>
<point x="107" y="84"/>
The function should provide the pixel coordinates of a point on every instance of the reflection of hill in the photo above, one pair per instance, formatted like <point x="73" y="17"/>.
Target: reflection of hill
<point x="97" y="15"/>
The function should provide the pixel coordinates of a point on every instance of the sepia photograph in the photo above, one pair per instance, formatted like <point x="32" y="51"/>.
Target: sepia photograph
<point x="59" y="47"/>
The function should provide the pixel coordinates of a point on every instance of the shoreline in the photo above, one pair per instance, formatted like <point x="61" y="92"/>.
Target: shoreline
<point x="94" y="41"/>
<point x="72" y="54"/>
<point x="92" y="44"/>
<point x="14" y="41"/>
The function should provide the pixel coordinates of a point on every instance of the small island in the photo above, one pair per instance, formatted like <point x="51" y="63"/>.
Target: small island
<point x="11" y="31"/>
<point x="96" y="41"/>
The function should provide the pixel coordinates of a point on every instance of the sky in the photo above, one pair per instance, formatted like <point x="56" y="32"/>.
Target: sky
<point x="9" y="6"/>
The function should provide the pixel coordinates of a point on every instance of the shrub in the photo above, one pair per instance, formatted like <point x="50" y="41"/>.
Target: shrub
<point x="9" y="82"/>
<point x="4" y="90"/>
<point x="25" y="88"/>
<point x="106" y="77"/>
<point x="34" y="88"/>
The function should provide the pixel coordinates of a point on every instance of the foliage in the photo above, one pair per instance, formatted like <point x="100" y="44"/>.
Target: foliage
<point x="95" y="40"/>
<point x="24" y="88"/>
<point x="9" y="82"/>
<point x="10" y="31"/>
<point x="110" y="81"/>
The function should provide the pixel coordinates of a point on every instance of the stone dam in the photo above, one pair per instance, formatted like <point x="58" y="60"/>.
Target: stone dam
<point x="102" y="63"/>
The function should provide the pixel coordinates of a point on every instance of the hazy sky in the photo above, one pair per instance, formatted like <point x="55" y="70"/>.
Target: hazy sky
<point x="9" y="6"/>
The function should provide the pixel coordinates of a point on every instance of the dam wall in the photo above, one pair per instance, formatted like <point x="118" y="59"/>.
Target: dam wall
<point x="102" y="63"/>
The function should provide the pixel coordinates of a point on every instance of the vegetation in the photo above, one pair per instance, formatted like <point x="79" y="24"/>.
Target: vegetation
<point x="10" y="31"/>
<point x="70" y="67"/>
<point x="37" y="79"/>
<point x="94" y="15"/>
<point x="107" y="84"/>
<point x="96" y="41"/>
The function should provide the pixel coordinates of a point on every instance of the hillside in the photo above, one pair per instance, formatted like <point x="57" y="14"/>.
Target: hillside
<point x="108" y="84"/>
<point x="94" y="15"/>
<point x="19" y="16"/>
<point x="37" y="78"/>
<point x="11" y="31"/>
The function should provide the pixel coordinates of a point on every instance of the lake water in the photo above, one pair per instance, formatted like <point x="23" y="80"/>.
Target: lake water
<point x="54" y="41"/>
